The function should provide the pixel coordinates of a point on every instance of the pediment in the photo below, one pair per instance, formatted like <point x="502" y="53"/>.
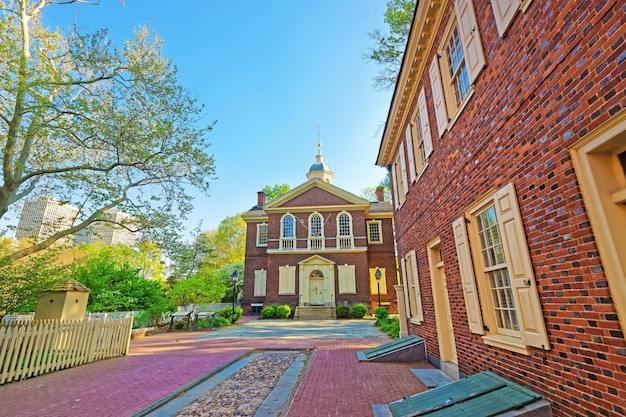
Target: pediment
<point x="316" y="193"/>
<point x="316" y="260"/>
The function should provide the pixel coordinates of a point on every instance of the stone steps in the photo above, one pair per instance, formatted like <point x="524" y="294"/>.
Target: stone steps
<point x="315" y="313"/>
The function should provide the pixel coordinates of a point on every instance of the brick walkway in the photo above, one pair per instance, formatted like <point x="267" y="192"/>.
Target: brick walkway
<point x="336" y="384"/>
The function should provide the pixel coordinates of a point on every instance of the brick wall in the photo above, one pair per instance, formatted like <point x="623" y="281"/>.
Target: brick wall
<point x="558" y="74"/>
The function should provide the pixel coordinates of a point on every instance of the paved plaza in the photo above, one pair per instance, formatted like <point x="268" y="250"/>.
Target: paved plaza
<point x="334" y="384"/>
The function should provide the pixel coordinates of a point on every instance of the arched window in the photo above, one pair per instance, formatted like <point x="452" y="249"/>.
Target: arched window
<point x="316" y="231"/>
<point x="345" y="238"/>
<point x="288" y="232"/>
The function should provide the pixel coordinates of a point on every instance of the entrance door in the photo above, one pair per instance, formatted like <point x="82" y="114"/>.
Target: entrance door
<point x="316" y="291"/>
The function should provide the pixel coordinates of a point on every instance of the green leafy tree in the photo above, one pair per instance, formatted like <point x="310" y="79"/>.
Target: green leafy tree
<point x="24" y="281"/>
<point x="119" y="287"/>
<point x="202" y="287"/>
<point x="227" y="244"/>
<point x="226" y="276"/>
<point x="389" y="46"/>
<point x="96" y="125"/>
<point x="188" y="256"/>
<point x="273" y="192"/>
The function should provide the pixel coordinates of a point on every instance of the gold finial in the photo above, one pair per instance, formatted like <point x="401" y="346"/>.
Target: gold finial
<point x="319" y="143"/>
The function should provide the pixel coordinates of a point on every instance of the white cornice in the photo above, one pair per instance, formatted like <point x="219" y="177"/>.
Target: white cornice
<point x="426" y="22"/>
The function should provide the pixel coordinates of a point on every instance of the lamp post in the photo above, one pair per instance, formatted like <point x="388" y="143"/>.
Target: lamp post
<point x="235" y="278"/>
<point x="378" y="275"/>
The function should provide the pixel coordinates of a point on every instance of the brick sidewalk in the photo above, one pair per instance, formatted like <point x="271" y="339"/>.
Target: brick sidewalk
<point x="336" y="384"/>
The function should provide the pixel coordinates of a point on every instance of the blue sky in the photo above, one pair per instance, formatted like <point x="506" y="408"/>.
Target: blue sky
<point x="269" y="72"/>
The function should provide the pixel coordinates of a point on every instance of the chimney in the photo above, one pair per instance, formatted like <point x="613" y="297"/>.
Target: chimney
<point x="262" y="198"/>
<point x="380" y="194"/>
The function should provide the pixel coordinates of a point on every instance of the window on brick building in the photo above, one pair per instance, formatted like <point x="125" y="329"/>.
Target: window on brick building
<point x="458" y="61"/>
<point x="418" y="139"/>
<point x="260" y="277"/>
<point x="398" y="178"/>
<point x="347" y="279"/>
<point x="412" y="287"/>
<point x="374" y="231"/>
<point x="261" y="234"/>
<point x="501" y="297"/>
<point x="288" y="232"/>
<point x="504" y="12"/>
<point x="345" y="238"/>
<point x="316" y="231"/>
<point x="286" y="280"/>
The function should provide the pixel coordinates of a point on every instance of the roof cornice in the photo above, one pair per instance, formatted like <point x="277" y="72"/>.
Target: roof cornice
<point x="428" y="15"/>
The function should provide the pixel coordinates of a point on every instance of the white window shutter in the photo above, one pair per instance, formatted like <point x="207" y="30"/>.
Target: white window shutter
<point x="466" y="270"/>
<point x="440" y="105"/>
<point x="470" y="38"/>
<point x="406" y="283"/>
<point x="403" y="170"/>
<point x="504" y="11"/>
<point x="260" y="282"/>
<point x="417" y="295"/>
<point x="423" y="110"/>
<point x="394" y="182"/>
<point x="286" y="280"/>
<point x="409" y="144"/>
<point x="531" y="320"/>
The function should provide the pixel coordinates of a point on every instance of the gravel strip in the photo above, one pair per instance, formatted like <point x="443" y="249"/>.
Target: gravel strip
<point x="243" y="392"/>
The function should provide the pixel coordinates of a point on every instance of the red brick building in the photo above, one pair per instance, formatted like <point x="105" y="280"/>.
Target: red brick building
<point x="506" y="146"/>
<point x="318" y="246"/>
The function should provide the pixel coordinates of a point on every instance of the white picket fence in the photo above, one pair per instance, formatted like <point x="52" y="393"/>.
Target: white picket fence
<point x="34" y="348"/>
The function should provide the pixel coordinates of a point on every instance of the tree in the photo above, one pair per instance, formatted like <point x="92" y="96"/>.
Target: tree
<point x="23" y="282"/>
<point x="227" y="243"/>
<point x="369" y="193"/>
<point x="273" y="192"/>
<point x="97" y="125"/>
<point x="202" y="287"/>
<point x="389" y="47"/>
<point x="187" y="257"/>
<point x="119" y="287"/>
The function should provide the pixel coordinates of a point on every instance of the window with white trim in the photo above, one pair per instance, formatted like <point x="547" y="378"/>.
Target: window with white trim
<point x="418" y="138"/>
<point x="374" y="231"/>
<point x="398" y="177"/>
<point x="260" y="277"/>
<point x="345" y="238"/>
<point x="316" y="231"/>
<point x="459" y="60"/>
<point x="508" y="312"/>
<point x="412" y="285"/>
<point x="261" y="234"/>
<point x="288" y="232"/>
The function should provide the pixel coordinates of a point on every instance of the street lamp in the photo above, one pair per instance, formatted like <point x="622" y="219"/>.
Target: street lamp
<point x="378" y="275"/>
<point x="235" y="278"/>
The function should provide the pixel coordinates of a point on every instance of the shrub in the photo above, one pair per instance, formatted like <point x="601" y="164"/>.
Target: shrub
<point x="204" y="323"/>
<point x="283" y="312"/>
<point x="140" y="319"/>
<point x="227" y="313"/>
<point x="268" y="312"/>
<point x="381" y="313"/>
<point x="179" y="325"/>
<point x="359" y="311"/>
<point x="391" y="326"/>
<point x="220" y="322"/>
<point x="343" y="312"/>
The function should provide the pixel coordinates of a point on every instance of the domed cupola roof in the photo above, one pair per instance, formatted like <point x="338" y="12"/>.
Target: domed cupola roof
<point x="320" y="169"/>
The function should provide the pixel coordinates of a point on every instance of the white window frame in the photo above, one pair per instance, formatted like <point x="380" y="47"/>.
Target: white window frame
<point x="260" y="233"/>
<point x="447" y="109"/>
<point x="481" y="310"/>
<point x="370" y="223"/>
<point x="345" y="241"/>
<point x="287" y="242"/>
<point x="316" y="241"/>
